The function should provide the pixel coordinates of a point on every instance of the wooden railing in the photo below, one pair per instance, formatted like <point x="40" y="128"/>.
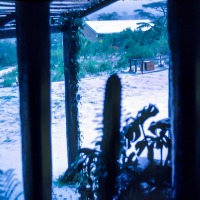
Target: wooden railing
<point x="135" y="63"/>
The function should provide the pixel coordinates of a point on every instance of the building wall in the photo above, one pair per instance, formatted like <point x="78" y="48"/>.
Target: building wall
<point x="89" y="33"/>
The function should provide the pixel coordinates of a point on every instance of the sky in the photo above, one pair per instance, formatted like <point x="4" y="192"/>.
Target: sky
<point x="123" y="7"/>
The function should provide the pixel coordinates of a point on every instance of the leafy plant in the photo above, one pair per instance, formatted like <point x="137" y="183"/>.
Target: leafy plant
<point x="153" y="180"/>
<point x="8" y="185"/>
<point x="116" y="164"/>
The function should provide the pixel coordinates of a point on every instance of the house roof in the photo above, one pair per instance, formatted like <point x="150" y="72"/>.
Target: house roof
<point x="114" y="26"/>
<point x="57" y="8"/>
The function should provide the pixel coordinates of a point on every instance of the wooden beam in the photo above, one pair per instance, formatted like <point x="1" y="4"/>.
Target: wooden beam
<point x="33" y="48"/>
<point x="10" y="33"/>
<point x="8" y="18"/>
<point x="84" y="7"/>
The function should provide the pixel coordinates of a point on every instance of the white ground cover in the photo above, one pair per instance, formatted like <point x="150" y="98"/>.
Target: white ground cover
<point x="137" y="91"/>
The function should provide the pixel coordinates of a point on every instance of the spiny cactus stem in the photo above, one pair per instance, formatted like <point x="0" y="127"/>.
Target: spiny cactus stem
<point x="111" y="129"/>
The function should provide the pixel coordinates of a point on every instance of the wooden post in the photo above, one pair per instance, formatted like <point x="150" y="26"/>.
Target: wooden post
<point x="184" y="41"/>
<point x="135" y="65"/>
<point x="33" y="50"/>
<point x="142" y="66"/>
<point x="160" y="58"/>
<point x="130" y="64"/>
<point x="71" y="103"/>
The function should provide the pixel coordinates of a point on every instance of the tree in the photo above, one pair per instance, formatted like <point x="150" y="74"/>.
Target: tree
<point x="109" y="16"/>
<point x="156" y="12"/>
<point x="157" y="17"/>
<point x="159" y="10"/>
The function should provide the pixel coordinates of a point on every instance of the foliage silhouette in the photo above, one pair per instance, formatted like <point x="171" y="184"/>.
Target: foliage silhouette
<point x="109" y="16"/>
<point x="8" y="185"/>
<point x="109" y="171"/>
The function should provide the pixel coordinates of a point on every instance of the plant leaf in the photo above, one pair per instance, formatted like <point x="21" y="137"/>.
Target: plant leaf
<point x="8" y="185"/>
<point x="150" y="152"/>
<point x="146" y="113"/>
<point x="132" y="132"/>
<point x="163" y="124"/>
<point x="141" y="146"/>
<point x="130" y="158"/>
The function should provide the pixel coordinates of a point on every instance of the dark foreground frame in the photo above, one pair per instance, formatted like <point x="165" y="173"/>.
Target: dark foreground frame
<point x="34" y="84"/>
<point x="184" y="41"/>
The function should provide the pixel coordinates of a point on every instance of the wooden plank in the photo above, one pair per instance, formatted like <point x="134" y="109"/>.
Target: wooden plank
<point x="149" y="65"/>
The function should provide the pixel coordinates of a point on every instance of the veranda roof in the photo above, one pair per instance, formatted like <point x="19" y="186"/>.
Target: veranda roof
<point x="57" y="8"/>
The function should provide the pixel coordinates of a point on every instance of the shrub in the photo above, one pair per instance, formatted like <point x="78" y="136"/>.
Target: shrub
<point x="122" y="63"/>
<point x="89" y="66"/>
<point x="140" y="51"/>
<point x="161" y="46"/>
<point x="57" y="65"/>
<point x="105" y="66"/>
<point x="93" y="66"/>
<point x="8" y="53"/>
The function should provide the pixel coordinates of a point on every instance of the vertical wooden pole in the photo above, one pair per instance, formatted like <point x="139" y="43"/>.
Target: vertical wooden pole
<point x="184" y="31"/>
<point x="130" y="64"/>
<point x="71" y="103"/>
<point x="142" y="66"/>
<point x="33" y="46"/>
<point x="135" y="65"/>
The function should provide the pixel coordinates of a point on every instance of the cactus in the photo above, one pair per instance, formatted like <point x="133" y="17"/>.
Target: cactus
<point x="110" y="145"/>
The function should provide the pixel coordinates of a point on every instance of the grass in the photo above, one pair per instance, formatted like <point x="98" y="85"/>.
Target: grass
<point x="91" y="66"/>
<point x="97" y="65"/>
